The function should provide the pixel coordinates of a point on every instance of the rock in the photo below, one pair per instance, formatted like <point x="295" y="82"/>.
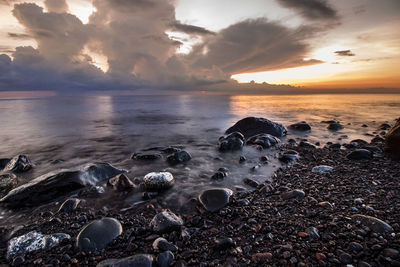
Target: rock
<point x="4" y="162"/>
<point x="165" y="222"/>
<point x="158" y="181"/>
<point x="219" y="175"/>
<point x="289" y="156"/>
<point x="262" y="257"/>
<point x="121" y="183"/>
<point x="390" y="253"/>
<point x="313" y="232"/>
<point x="301" y="126"/>
<point x="91" y="191"/>
<point x="251" y="182"/>
<point x="146" y="156"/>
<point x="215" y="199"/>
<point x="392" y="139"/>
<point x="293" y="194"/>
<point x="321" y="169"/>
<point x="223" y="244"/>
<point x="56" y="184"/>
<point x="20" y="163"/>
<point x="33" y="241"/>
<point x="242" y="159"/>
<point x="359" y="154"/>
<point x="165" y="259"/>
<point x="358" y="142"/>
<point x="356" y="247"/>
<point x="375" y="224"/>
<point x="162" y="244"/>
<point x="345" y="258"/>
<point x="252" y="126"/>
<point x="69" y="205"/>
<point x="139" y="260"/>
<point x="98" y="234"/>
<point x="377" y="139"/>
<point x="179" y="157"/>
<point x="306" y="144"/>
<point x="335" y="126"/>
<point x="8" y="181"/>
<point x="263" y="140"/>
<point x="231" y="142"/>
<point x="385" y="126"/>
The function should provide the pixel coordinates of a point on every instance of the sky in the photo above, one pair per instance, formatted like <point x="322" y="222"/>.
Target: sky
<point x="240" y="46"/>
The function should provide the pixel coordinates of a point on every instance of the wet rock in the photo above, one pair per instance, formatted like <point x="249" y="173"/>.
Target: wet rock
<point x="301" y="126"/>
<point x="69" y="205"/>
<point x="242" y="159"/>
<point x="358" y="142"/>
<point x="219" y="175"/>
<point x="165" y="259"/>
<point x="223" y="244"/>
<point x="263" y="140"/>
<point x="20" y="163"/>
<point x="335" y="126"/>
<point x="158" y="181"/>
<point x="34" y="241"/>
<point x="345" y="258"/>
<point x="56" y="184"/>
<point x="146" y="156"/>
<point x="162" y="244"/>
<point x="359" y="154"/>
<point x="356" y="247"/>
<point x="373" y="223"/>
<point x="179" y="157"/>
<point x="231" y="142"/>
<point x="262" y="257"/>
<point x="4" y="162"/>
<point x="392" y="139"/>
<point x="165" y="222"/>
<point x="91" y="191"/>
<point x="215" y="199"/>
<point x="289" y="156"/>
<point x="98" y="234"/>
<point x="335" y="146"/>
<point x="390" y="253"/>
<point x="293" y="194"/>
<point x="385" y="126"/>
<point x="321" y="169"/>
<point x="377" y="139"/>
<point x="251" y="126"/>
<point x="121" y="183"/>
<point x="313" y="232"/>
<point x="306" y="144"/>
<point x="251" y="182"/>
<point x="8" y="181"/>
<point x="140" y="260"/>
<point x="149" y="195"/>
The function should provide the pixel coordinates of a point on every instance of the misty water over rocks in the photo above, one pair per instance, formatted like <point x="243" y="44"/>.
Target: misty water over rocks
<point x="63" y="132"/>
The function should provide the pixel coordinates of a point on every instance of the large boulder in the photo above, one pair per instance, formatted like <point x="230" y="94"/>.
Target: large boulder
<point x="98" y="234"/>
<point x="19" y="163"/>
<point x="392" y="139"/>
<point x="252" y="126"/>
<point x="231" y="142"/>
<point x="56" y="184"/>
<point x="215" y="199"/>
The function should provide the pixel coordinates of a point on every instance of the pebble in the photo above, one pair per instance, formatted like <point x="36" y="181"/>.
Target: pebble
<point x="142" y="260"/>
<point x="297" y="193"/>
<point x="69" y="205"/>
<point x="163" y="245"/>
<point x="321" y="169"/>
<point x="373" y="223"/>
<point x="165" y="259"/>
<point x="345" y="258"/>
<point x="165" y="222"/>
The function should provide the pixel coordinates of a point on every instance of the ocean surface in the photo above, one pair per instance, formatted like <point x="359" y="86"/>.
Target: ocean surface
<point x="62" y="132"/>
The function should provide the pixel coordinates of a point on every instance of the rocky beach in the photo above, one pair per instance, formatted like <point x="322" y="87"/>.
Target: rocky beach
<point x="326" y="205"/>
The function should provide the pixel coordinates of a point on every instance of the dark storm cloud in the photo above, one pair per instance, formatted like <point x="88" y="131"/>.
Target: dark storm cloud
<point x="345" y="53"/>
<point x="22" y="36"/>
<point x="190" y="29"/>
<point x="311" y="9"/>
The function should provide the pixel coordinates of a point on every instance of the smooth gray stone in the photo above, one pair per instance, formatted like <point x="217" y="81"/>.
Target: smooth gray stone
<point x="139" y="260"/>
<point x="373" y="223"/>
<point x="215" y="199"/>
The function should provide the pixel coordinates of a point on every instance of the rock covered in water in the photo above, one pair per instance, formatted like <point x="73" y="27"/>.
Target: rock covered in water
<point x="165" y="222"/>
<point x="55" y="184"/>
<point x="98" y="234"/>
<point x="231" y="142"/>
<point x="20" y="163"/>
<point x="392" y="139"/>
<point x="8" y="181"/>
<point x="301" y="126"/>
<point x="34" y="241"/>
<point x="359" y="154"/>
<point x="69" y="205"/>
<point x="139" y="260"/>
<point x="179" y="157"/>
<point x="264" y="140"/>
<point x="321" y="169"/>
<point x="335" y="126"/>
<point x="215" y="199"/>
<point x="146" y="156"/>
<point x="375" y="224"/>
<point x="158" y="181"/>
<point x="121" y="183"/>
<point x="251" y="126"/>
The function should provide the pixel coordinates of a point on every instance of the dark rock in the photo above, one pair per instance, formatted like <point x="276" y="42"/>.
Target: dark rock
<point x="8" y="181"/>
<point x="385" y="126"/>
<point x="179" y="157"/>
<point x="301" y="126"/>
<point x="231" y="142"/>
<point x="98" y="234"/>
<point x="219" y="175"/>
<point x="162" y="244"/>
<point x="330" y="121"/>
<point x="291" y="141"/>
<point x="335" y="146"/>
<point x="69" y="205"/>
<point x="165" y="222"/>
<point x="293" y="194"/>
<point x="165" y="259"/>
<point x="149" y="195"/>
<point x="158" y="181"/>
<point x="18" y="261"/>
<point x="377" y="139"/>
<point x="392" y="139"/>
<point x="139" y="260"/>
<point x="252" y="126"/>
<point x="263" y="140"/>
<point x="251" y="182"/>
<point x="313" y="232"/>
<point x="306" y="144"/>
<point x="359" y="154"/>
<point x="345" y="258"/>
<point x="20" y="163"/>
<point x="4" y="162"/>
<point x="34" y="241"/>
<point x="121" y="183"/>
<point x="146" y="156"/>
<point x="390" y="253"/>
<point x="358" y="142"/>
<point x="373" y="223"/>
<point x="356" y="247"/>
<point x="223" y="244"/>
<point x="335" y="126"/>
<point x="215" y="199"/>
<point x="289" y="156"/>
<point x="91" y="191"/>
<point x="170" y="150"/>
<point x="55" y="184"/>
<point x="242" y="159"/>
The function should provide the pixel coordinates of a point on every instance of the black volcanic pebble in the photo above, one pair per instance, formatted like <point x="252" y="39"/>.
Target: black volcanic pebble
<point x="165" y="259"/>
<point x="225" y="243"/>
<point x="359" y="154"/>
<point x="215" y="199"/>
<point x="335" y="126"/>
<point x="163" y="245"/>
<point x="301" y="126"/>
<point x="165" y="222"/>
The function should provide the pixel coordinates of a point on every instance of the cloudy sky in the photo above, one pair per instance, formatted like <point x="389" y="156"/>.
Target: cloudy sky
<point x="199" y="45"/>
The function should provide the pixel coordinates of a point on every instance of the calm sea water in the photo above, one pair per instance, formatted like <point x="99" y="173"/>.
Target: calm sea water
<point x="58" y="131"/>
